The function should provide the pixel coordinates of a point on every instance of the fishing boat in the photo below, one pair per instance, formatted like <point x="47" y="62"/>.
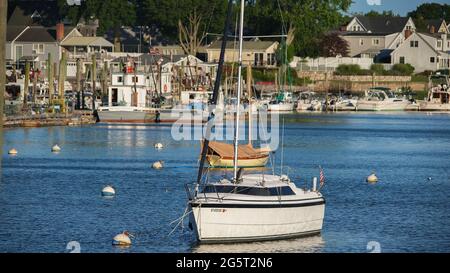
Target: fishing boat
<point x="438" y="98"/>
<point x="382" y="99"/>
<point x="249" y="207"/>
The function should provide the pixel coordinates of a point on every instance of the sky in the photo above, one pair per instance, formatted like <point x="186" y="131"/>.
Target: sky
<point x="401" y="7"/>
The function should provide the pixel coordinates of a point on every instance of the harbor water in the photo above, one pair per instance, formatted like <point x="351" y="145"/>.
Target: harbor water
<point x="52" y="201"/>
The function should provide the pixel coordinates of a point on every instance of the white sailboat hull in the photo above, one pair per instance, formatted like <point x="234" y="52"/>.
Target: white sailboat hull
<point x="236" y="224"/>
<point x="281" y="107"/>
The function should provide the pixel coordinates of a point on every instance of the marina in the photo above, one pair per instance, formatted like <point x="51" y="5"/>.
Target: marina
<point x="52" y="199"/>
<point x="221" y="126"/>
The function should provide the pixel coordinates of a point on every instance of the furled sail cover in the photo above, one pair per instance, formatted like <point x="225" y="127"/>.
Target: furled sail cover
<point x="226" y="151"/>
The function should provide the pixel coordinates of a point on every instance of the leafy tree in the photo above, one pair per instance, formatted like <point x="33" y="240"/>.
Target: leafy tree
<point x="431" y="11"/>
<point x="166" y="14"/>
<point x="384" y="13"/>
<point x="311" y="18"/>
<point x="111" y="14"/>
<point x="332" y="45"/>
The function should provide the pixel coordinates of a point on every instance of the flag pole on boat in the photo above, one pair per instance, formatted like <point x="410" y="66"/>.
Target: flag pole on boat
<point x="239" y="89"/>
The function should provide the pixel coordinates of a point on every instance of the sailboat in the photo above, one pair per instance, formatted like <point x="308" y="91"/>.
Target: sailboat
<point x="249" y="207"/>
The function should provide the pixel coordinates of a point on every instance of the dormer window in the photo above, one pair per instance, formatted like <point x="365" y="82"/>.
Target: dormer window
<point x="439" y="43"/>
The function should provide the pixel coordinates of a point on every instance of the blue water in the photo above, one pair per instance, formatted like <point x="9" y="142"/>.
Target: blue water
<point x="48" y="200"/>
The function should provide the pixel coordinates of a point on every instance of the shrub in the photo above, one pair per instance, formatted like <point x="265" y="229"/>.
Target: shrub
<point x="403" y="69"/>
<point x="348" y="69"/>
<point x="378" y="69"/>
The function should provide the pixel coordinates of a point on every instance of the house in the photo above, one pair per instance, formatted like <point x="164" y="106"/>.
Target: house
<point x="424" y="51"/>
<point x="259" y="53"/>
<point x="30" y="43"/>
<point x="434" y="26"/>
<point x="367" y="35"/>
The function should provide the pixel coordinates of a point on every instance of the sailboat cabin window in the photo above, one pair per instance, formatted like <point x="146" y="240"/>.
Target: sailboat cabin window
<point x="274" y="191"/>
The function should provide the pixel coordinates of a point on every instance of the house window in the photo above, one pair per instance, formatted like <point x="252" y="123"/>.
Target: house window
<point x="271" y="59"/>
<point x="135" y="79"/>
<point x="38" y="48"/>
<point x="414" y="43"/>
<point x="439" y="44"/>
<point x="119" y="79"/>
<point x="375" y="41"/>
<point x="361" y="42"/>
<point x="408" y="28"/>
<point x="432" y="59"/>
<point x="402" y="60"/>
<point x="19" y="52"/>
<point x="259" y="59"/>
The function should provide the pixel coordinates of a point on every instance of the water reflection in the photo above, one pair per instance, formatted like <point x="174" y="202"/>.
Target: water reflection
<point x="299" y="245"/>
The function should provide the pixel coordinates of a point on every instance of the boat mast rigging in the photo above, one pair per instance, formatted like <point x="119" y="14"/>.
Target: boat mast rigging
<point x="213" y="101"/>
<point x="239" y="89"/>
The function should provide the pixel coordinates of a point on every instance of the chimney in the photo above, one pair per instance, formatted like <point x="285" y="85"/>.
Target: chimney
<point x="432" y="30"/>
<point x="59" y="32"/>
<point x="408" y="33"/>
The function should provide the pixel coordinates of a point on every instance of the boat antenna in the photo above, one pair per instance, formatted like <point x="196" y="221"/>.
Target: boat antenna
<point x="213" y="101"/>
<point x="239" y="87"/>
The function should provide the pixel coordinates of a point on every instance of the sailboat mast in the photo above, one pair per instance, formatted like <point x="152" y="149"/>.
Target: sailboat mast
<point x="239" y="89"/>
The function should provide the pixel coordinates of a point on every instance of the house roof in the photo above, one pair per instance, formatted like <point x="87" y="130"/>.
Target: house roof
<point x="383" y="24"/>
<point x="36" y="34"/>
<point x="247" y="45"/>
<point x="13" y="31"/>
<point x="428" y="24"/>
<point x="87" y="41"/>
<point x="21" y="13"/>
<point x="434" y="35"/>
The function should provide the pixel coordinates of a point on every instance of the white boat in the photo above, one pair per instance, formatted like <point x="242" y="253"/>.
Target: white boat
<point x="382" y="99"/>
<point x="252" y="207"/>
<point x="283" y="103"/>
<point x="280" y="106"/>
<point x="438" y="98"/>
<point x="346" y="105"/>
<point x="304" y="101"/>
<point x="260" y="207"/>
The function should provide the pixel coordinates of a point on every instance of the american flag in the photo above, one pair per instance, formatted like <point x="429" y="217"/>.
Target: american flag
<point x="322" y="177"/>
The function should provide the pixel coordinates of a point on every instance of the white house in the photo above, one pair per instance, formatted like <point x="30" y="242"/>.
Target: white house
<point x="424" y="51"/>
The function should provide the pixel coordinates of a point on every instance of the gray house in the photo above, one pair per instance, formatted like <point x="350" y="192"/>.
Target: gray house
<point x="367" y="36"/>
<point x="30" y="43"/>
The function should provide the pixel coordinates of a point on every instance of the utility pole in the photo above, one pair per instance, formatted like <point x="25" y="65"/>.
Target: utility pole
<point x="26" y="84"/>
<point x="79" y="83"/>
<point x="50" y="78"/>
<point x="94" y="79"/>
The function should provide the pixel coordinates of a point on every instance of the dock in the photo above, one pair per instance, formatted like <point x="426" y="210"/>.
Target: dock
<point x="76" y="118"/>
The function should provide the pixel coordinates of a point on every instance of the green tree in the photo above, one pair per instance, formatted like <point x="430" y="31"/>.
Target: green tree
<point x="165" y="14"/>
<point x="384" y="13"/>
<point x="111" y="14"/>
<point x="311" y="19"/>
<point x="431" y="11"/>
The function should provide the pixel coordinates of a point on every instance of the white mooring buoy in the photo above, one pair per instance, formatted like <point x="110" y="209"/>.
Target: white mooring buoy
<point x="122" y="239"/>
<point x="56" y="148"/>
<point x="108" y="191"/>
<point x="372" y="178"/>
<point x="159" y="146"/>
<point x="12" y="151"/>
<point x="158" y="165"/>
